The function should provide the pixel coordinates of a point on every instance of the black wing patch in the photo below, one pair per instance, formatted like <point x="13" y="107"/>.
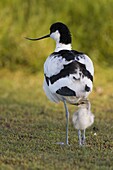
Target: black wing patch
<point x="47" y="79"/>
<point x="87" y="88"/>
<point x="68" y="54"/>
<point x="65" y="91"/>
<point x="71" y="69"/>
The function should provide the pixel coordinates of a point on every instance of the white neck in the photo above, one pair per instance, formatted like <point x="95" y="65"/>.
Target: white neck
<point x="60" y="46"/>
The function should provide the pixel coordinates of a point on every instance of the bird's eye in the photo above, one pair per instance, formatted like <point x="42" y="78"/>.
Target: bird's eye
<point x="82" y="103"/>
<point x="52" y="30"/>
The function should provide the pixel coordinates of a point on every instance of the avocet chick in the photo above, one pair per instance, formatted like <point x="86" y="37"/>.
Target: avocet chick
<point x="82" y="119"/>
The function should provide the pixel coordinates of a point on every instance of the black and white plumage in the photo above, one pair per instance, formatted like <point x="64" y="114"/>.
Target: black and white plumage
<point x="68" y="77"/>
<point x="68" y="74"/>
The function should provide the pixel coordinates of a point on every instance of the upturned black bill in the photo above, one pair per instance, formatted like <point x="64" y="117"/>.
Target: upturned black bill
<point x="35" y="39"/>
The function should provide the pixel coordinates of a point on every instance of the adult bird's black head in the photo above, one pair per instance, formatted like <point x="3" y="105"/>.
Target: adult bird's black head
<point x="59" y="32"/>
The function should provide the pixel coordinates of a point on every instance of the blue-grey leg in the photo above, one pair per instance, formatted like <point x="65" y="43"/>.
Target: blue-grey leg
<point x="67" y="120"/>
<point x="83" y="137"/>
<point x="79" y="137"/>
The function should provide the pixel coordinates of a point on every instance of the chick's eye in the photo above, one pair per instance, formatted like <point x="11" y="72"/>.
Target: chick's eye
<point x="82" y="102"/>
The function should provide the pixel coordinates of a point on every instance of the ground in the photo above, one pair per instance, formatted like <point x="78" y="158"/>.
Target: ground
<point x="30" y="126"/>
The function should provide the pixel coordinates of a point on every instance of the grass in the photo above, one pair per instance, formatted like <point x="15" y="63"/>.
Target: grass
<point x="30" y="126"/>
